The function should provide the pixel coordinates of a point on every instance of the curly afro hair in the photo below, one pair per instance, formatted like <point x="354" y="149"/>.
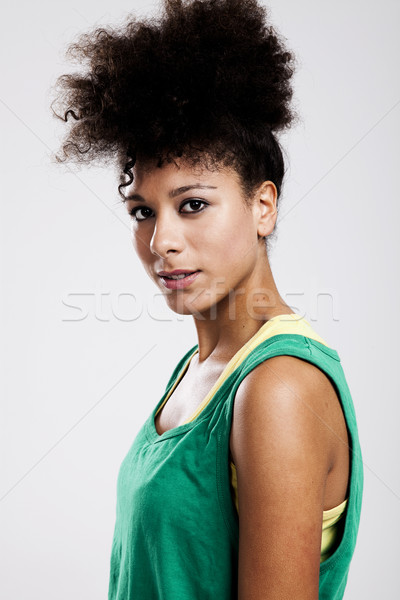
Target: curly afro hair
<point x="207" y="80"/>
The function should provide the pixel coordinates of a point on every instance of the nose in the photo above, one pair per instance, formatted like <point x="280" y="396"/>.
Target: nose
<point x="167" y="236"/>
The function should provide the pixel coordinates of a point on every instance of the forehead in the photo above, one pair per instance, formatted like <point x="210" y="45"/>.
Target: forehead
<point x="180" y="172"/>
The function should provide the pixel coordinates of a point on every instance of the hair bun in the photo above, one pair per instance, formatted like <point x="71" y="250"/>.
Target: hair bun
<point x="157" y="82"/>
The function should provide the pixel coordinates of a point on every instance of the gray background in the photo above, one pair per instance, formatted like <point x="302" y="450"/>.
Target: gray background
<point x="87" y="342"/>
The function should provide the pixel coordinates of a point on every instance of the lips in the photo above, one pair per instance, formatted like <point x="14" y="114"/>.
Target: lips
<point x="178" y="283"/>
<point x="176" y="272"/>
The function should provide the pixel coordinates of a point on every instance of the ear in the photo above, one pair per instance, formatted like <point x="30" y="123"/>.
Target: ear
<point x="264" y="205"/>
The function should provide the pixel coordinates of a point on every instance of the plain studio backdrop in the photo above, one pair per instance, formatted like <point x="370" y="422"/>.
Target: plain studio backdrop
<point x="88" y="344"/>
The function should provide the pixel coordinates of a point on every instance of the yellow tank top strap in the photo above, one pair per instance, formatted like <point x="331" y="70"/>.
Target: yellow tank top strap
<point x="291" y="323"/>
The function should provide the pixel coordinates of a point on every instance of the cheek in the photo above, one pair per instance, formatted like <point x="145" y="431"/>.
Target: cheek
<point x="230" y="238"/>
<point x="141" y="245"/>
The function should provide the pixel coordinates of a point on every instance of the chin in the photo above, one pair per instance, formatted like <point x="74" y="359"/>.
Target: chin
<point x="196" y="308"/>
<point x="182" y="308"/>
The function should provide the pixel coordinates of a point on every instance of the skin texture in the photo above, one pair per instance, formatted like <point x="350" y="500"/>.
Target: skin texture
<point x="288" y="436"/>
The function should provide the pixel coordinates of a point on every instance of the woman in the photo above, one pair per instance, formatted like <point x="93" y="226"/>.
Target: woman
<point x="246" y="479"/>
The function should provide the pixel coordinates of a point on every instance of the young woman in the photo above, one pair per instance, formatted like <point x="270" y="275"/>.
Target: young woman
<point x="246" y="479"/>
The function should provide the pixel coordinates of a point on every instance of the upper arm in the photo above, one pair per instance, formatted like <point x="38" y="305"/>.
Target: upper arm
<point x="281" y="448"/>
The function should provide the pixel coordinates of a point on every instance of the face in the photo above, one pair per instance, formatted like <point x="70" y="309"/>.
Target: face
<point x="195" y="221"/>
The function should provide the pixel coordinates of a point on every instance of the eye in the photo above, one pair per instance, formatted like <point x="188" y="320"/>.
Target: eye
<point x="194" y="203"/>
<point x="134" y="212"/>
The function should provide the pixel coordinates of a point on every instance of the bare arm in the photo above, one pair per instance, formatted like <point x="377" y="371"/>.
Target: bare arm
<point x="282" y="449"/>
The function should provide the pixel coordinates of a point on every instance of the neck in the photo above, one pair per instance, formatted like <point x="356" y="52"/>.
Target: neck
<point x="228" y="325"/>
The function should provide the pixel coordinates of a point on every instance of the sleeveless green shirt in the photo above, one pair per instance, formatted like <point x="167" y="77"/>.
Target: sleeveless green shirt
<point x="176" y="533"/>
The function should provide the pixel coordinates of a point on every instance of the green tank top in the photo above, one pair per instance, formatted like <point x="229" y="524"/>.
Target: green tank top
<point x="176" y="533"/>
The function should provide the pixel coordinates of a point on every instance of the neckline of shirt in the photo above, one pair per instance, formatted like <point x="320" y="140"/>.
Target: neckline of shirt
<point x="269" y="329"/>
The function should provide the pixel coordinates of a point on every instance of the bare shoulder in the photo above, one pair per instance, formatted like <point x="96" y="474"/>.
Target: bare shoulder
<point x="289" y="399"/>
<point x="283" y="441"/>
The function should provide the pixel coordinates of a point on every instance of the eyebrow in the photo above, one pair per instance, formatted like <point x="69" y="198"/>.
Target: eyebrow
<point x="175" y="192"/>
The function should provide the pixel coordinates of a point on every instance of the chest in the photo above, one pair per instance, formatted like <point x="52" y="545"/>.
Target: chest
<point x="187" y="396"/>
<point x="173" y="501"/>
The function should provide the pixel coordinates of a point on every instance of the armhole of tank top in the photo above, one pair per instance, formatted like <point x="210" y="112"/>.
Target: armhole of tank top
<point x="339" y="383"/>
<point x="305" y="352"/>
<point x="342" y="530"/>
